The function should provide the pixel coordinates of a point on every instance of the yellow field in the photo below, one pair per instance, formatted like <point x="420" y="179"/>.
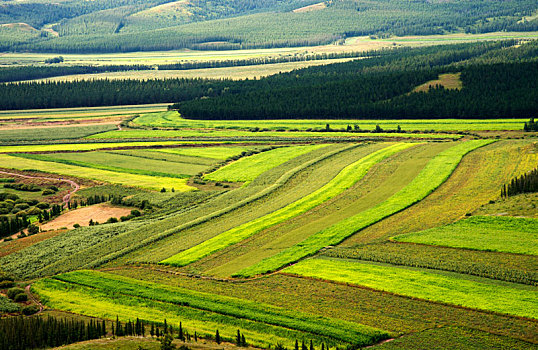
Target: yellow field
<point x="80" y="113"/>
<point x="362" y="43"/>
<point x="450" y="81"/>
<point x="142" y="181"/>
<point x="234" y="73"/>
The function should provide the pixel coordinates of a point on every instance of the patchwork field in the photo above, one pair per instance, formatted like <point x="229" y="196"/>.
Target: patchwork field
<point x="293" y="233"/>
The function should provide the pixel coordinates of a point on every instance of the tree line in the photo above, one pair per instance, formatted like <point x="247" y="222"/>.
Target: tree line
<point x="499" y="80"/>
<point x="526" y="183"/>
<point x="531" y="125"/>
<point x="39" y="332"/>
<point x="19" y="73"/>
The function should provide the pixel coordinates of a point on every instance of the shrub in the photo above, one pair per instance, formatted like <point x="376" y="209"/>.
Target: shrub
<point x="30" y="310"/>
<point x="33" y="229"/>
<point x="13" y="292"/>
<point x="48" y="192"/>
<point x="53" y="188"/>
<point x="34" y="211"/>
<point x="6" y="277"/>
<point x="19" y="298"/>
<point x="112" y="220"/>
<point x="6" y="284"/>
<point x="135" y="213"/>
<point x="43" y="205"/>
<point x="76" y="225"/>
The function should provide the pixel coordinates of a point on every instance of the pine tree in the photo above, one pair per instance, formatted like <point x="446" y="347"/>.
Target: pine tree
<point x="238" y="338"/>
<point x="180" y="332"/>
<point x="217" y="337"/>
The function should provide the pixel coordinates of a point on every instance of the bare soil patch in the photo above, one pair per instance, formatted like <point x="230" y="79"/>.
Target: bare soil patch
<point x="314" y="7"/>
<point x="99" y="212"/>
<point x="450" y="81"/>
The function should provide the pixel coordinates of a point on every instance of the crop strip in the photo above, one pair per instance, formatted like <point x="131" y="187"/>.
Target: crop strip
<point x="344" y="180"/>
<point x="432" y="176"/>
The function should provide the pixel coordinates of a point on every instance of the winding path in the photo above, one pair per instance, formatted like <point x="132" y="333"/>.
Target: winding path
<point x="33" y="299"/>
<point x="66" y="198"/>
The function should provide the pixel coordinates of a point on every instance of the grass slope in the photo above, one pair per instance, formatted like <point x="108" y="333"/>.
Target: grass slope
<point x="432" y="176"/>
<point x="345" y="179"/>
<point x="501" y="234"/>
<point x="503" y="297"/>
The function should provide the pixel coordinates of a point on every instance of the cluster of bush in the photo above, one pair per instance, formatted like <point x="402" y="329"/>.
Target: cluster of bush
<point x="23" y="187"/>
<point x="32" y="188"/>
<point x="134" y="214"/>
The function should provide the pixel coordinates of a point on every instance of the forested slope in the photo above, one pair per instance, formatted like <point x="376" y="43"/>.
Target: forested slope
<point x="499" y="79"/>
<point x="132" y="25"/>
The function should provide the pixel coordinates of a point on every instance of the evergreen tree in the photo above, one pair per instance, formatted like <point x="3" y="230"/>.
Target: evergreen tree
<point x="217" y="337"/>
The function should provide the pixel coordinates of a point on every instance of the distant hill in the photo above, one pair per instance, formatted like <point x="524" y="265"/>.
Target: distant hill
<point x="132" y="25"/>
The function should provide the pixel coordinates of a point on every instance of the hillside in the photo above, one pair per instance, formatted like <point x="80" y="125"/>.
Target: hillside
<point x="134" y="25"/>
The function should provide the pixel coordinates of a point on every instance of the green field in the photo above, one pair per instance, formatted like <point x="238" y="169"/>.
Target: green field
<point x="199" y="311"/>
<point x="503" y="297"/>
<point x="247" y="169"/>
<point x="53" y="133"/>
<point x="431" y="177"/>
<point x="174" y="120"/>
<point x="345" y="179"/>
<point x="500" y="234"/>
